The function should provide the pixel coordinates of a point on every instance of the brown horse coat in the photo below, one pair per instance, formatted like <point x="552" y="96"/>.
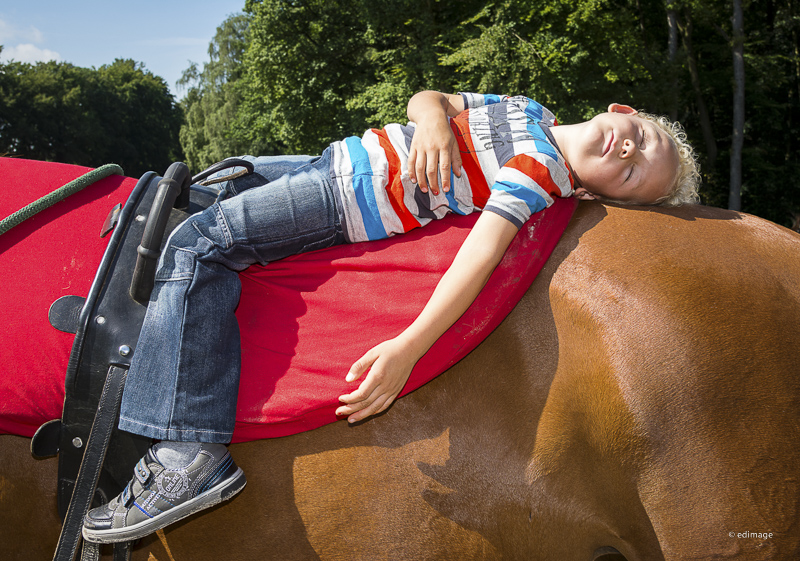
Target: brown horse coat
<point x="643" y="396"/>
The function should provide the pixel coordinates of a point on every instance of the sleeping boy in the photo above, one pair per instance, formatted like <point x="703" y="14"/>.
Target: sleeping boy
<point x="504" y="156"/>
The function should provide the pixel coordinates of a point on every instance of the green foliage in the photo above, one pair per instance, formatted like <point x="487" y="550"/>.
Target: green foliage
<point x="208" y="134"/>
<point x="314" y="71"/>
<point x="291" y="76"/>
<point x="304" y="60"/>
<point x="770" y="164"/>
<point x="320" y="70"/>
<point x="59" y="112"/>
<point x="550" y="51"/>
<point x="317" y="70"/>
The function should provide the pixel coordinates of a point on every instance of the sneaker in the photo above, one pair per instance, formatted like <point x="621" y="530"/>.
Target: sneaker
<point x="156" y="496"/>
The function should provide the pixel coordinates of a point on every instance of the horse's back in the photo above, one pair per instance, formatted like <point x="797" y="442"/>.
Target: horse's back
<point x="683" y="363"/>
<point x="642" y="396"/>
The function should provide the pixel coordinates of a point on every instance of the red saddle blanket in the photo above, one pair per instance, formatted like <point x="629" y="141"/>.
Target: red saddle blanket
<point x="304" y="320"/>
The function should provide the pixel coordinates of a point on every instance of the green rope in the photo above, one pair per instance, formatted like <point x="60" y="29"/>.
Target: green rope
<point x="58" y="195"/>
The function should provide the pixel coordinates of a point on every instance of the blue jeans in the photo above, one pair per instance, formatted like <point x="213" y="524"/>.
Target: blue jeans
<point x="184" y="378"/>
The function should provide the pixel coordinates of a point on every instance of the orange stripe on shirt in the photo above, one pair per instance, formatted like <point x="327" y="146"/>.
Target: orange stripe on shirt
<point x="394" y="187"/>
<point x="469" y="160"/>
<point x="537" y="171"/>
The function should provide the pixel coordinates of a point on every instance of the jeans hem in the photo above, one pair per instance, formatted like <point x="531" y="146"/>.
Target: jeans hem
<point x="175" y="435"/>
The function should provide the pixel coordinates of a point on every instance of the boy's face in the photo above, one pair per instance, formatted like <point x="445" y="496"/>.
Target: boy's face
<point x="623" y="157"/>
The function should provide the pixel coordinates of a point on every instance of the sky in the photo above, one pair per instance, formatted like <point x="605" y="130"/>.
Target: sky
<point x="163" y="35"/>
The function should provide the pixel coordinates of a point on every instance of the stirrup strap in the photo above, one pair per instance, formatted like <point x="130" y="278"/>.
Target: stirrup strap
<point x="122" y="551"/>
<point x="91" y="551"/>
<point x="93" y="457"/>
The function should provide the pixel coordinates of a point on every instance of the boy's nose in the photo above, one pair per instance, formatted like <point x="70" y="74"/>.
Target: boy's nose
<point x="628" y="148"/>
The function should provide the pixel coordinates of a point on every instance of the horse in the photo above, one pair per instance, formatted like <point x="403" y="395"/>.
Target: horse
<point x="641" y="402"/>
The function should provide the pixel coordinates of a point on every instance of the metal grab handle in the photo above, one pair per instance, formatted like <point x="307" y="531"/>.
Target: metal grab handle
<point x="174" y="184"/>
<point x="225" y="164"/>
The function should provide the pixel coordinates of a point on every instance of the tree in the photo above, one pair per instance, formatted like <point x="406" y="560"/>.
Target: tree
<point x="59" y="112"/>
<point x="212" y="102"/>
<point x="320" y="70"/>
<point x="305" y="60"/>
<point x="573" y="56"/>
<point x="139" y="116"/>
<point x="314" y="71"/>
<point x="769" y="131"/>
<point x="734" y="197"/>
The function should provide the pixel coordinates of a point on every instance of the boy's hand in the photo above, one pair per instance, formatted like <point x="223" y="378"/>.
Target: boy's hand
<point x="434" y="150"/>
<point x="389" y="367"/>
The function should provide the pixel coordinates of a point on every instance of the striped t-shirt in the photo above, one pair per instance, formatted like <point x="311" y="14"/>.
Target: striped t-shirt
<point x="510" y="165"/>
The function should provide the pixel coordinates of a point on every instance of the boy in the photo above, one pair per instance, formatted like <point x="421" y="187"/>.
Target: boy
<point x="503" y="155"/>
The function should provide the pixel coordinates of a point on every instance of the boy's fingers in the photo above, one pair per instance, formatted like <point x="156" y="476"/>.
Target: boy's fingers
<point x="367" y="387"/>
<point x="433" y="176"/>
<point x="355" y="372"/>
<point x="358" y="400"/>
<point x="347" y="410"/>
<point x="444" y="169"/>
<point x="359" y="367"/>
<point x="363" y="393"/>
<point x="457" y="163"/>
<point x="381" y="403"/>
<point x="412" y="162"/>
<point x="420" y="167"/>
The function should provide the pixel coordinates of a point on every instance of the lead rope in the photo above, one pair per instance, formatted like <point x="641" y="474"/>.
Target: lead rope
<point x="58" y="195"/>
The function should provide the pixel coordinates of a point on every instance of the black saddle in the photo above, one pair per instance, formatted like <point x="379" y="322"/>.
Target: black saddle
<point x="95" y="459"/>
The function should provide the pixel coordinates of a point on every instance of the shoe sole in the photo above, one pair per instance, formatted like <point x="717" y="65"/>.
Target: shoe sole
<point x="222" y="492"/>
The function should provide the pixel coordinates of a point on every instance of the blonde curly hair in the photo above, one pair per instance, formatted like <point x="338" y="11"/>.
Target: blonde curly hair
<point x="687" y="182"/>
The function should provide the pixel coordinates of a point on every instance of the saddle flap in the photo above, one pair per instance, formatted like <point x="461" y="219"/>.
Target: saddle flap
<point x="111" y="220"/>
<point x="64" y="313"/>
<point x="45" y="441"/>
<point x="107" y="330"/>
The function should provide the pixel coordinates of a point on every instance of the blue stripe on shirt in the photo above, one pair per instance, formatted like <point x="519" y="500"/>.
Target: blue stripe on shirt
<point x="527" y="195"/>
<point x="543" y="146"/>
<point x="364" y="190"/>
<point x="534" y="110"/>
<point x="451" y="197"/>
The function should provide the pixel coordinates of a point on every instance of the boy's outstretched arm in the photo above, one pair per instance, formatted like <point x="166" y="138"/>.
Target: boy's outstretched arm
<point x="433" y="148"/>
<point x="390" y="363"/>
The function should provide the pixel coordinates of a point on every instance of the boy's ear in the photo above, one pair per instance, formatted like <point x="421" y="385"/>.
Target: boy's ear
<point x="584" y="195"/>
<point x="624" y="109"/>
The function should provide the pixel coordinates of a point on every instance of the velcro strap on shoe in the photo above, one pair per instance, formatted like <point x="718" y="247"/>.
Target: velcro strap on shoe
<point x="127" y="494"/>
<point x="142" y="472"/>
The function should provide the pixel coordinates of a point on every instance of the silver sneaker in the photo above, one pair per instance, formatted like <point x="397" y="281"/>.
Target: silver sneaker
<point x="156" y="496"/>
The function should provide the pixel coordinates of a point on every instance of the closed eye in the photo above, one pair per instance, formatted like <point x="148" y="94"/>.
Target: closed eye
<point x="630" y="173"/>
<point x="644" y="139"/>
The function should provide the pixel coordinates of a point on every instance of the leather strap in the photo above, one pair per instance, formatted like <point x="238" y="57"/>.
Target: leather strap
<point x="93" y="457"/>
<point x="91" y="551"/>
<point x="122" y="551"/>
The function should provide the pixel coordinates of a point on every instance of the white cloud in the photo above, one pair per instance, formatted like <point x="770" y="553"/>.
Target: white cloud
<point x="9" y="33"/>
<point x="24" y="47"/>
<point x="28" y="53"/>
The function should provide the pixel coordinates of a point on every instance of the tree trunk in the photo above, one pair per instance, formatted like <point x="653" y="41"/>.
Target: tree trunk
<point x="672" y="49"/>
<point x="735" y="195"/>
<point x="702" y="111"/>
